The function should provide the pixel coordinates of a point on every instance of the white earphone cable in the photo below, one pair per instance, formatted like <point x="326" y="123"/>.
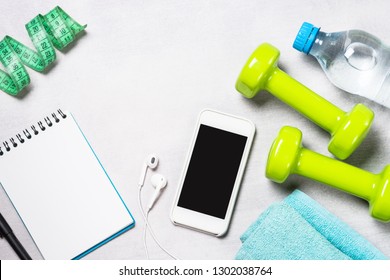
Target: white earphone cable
<point x="143" y="215"/>
<point x="148" y="227"/>
<point x="145" y="233"/>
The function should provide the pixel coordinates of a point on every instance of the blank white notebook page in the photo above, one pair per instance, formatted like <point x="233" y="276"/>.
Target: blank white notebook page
<point x="62" y="193"/>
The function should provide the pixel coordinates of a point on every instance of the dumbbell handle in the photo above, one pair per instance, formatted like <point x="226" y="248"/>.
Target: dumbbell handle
<point x="336" y="173"/>
<point x="304" y="100"/>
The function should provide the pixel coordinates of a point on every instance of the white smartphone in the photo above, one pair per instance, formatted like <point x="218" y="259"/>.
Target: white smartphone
<point x="212" y="172"/>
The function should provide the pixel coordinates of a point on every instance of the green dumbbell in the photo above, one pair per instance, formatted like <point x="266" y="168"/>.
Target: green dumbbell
<point x="287" y="156"/>
<point x="347" y="129"/>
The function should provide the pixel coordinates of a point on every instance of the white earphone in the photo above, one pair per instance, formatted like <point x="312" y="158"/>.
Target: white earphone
<point x="159" y="183"/>
<point x="151" y="161"/>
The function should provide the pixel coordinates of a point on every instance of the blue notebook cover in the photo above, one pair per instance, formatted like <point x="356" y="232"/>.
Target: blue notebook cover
<point x="61" y="190"/>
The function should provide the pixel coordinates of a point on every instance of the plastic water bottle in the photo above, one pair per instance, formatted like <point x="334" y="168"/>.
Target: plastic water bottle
<point x="353" y="60"/>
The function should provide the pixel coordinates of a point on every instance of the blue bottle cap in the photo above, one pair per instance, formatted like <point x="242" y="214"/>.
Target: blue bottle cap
<point x="305" y="37"/>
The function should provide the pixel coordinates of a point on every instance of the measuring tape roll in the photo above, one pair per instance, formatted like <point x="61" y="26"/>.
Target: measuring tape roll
<point x="56" y="29"/>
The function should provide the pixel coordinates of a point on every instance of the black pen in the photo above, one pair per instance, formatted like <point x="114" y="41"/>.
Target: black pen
<point x="6" y="232"/>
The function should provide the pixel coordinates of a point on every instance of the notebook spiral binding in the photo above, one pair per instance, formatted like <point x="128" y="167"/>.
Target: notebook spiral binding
<point x="26" y="134"/>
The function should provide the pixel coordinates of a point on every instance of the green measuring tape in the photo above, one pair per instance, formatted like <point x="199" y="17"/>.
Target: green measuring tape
<point x="55" y="29"/>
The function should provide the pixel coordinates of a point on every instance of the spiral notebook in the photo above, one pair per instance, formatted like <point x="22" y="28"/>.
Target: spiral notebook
<point x="60" y="190"/>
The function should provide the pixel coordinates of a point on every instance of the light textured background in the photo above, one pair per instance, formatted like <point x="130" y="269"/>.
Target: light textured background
<point x="138" y="78"/>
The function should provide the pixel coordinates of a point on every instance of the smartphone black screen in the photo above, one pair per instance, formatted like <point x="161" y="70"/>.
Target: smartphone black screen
<point x="212" y="171"/>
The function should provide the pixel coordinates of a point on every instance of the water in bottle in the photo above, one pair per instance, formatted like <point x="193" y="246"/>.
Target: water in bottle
<point x="353" y="60"/>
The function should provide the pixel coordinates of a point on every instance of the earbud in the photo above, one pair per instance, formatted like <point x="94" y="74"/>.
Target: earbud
<point x="158" y="182"/>
<point x="151" y="161"/>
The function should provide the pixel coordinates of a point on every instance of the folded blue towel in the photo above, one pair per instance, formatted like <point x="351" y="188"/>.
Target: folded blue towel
<point x="299" y="228"/>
